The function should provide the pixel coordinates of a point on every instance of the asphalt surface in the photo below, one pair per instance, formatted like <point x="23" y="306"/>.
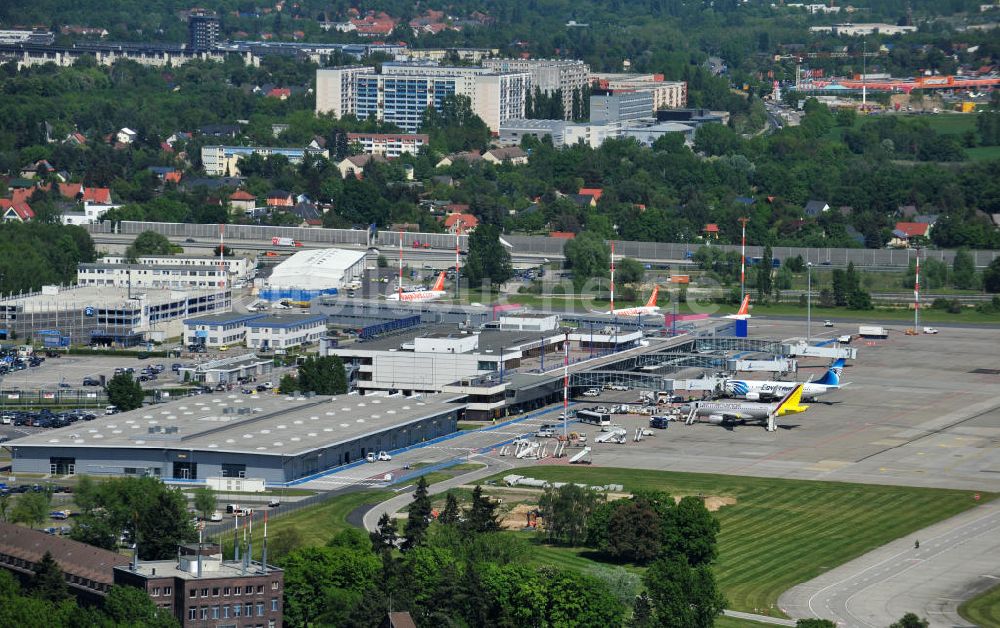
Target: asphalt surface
<point x="957" y="559"/>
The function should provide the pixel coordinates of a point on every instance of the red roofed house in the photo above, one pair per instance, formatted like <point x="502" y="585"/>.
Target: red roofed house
<point x="460" y="223"/>
<point x="242" y="200"/>
<point x="905" y="232"/>
<point x="562" y="235"/>
<point x="595" y="192"/>
<point x="711" y="230"/>
<point x="172" y="177"/>
<point x="281" y="93"/>
<point x="99" y="196"/>
<point x="15" y="211"/>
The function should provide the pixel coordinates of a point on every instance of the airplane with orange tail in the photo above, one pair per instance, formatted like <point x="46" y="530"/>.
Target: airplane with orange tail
<point x="744" y="312"/>
<point x="435" y="292"/>
<point x="650" y="308"/>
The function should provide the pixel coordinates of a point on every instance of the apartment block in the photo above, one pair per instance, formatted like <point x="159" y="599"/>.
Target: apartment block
<point x="549" y="76"/>
<point x="224" y="160"/>
<point x="666" y="94"/>
<point x="335" y="89"/>
<point x="389" y="144"/>
<point x="620" y="107"/>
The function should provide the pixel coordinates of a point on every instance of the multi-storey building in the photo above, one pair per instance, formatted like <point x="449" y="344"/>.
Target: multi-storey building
<point x="201" y="589"/>
<point x="402" y="92"/>
<point x="620" y="107"/>
<point x="139" y="276"/>
<point x="335" y="89"/>
<point x="568" y="76"/>
<point x="203" y="30"/>
<point x="666" y="94"/>
<point x="389" y="144"/>
<point x="220" y="160"/>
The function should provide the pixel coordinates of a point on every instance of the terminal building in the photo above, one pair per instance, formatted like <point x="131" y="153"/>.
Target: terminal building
<point x="274" y="438"/>
<point x="106" y="315"/>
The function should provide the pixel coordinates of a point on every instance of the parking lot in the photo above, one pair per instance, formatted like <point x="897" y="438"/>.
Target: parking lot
<point x="72" y="369"/>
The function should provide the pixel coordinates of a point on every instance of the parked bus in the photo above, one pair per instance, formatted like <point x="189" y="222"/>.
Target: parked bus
<point x="600" y="419"/>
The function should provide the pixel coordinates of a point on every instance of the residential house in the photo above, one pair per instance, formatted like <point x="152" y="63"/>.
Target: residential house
<point x="311" y="215"/>
<point x="355" y="164"/>
<point x="595" y="192"/>
<point x="582" y="200"/>
<point x="126" y="136"/>
<point x="711" y="231"/>
<point x="930" y="219"/>
<point x="905" y="233"/>
<point x="468" y="157"/>
<point x="77" y="139"/>
<point x="40" y="168"/>
<point x="12" y="211"/>
<point x="460" y="223"/>
<point x="815" y="208"/>
<point x="443" y="179"/>
<point x="280" y="198"/>
<point x="281" y="93"/>
<point x="512" y="154"/>
<point x="220" y="130"/>
<point x="242" y="200"/>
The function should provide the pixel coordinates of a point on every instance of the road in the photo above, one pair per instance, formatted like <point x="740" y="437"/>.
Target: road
<point x="957" y="559"/>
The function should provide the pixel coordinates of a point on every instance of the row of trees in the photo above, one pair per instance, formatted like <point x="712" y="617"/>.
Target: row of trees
<point x="36" y="254"/>
<point x="320" y="375"/>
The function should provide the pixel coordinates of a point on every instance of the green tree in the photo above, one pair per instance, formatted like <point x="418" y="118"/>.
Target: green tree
<point x="690" y="531"/>
<point x="991" y="276"/>
<point x="566" y="510"/>
<point x="381" y="261"/>
<point x="204" y="501"/>
<point x="683" y="595"/>
<point x="910" y="620"/>
<point x="449" y="515"/>
<point x="124" y="392"/>
<point x="323" y="584"/>
<point x="963" y="270"/>
<point x="131" y="606"/>
<point x="418" y="518"/>
<point x="795" y="264"/>
<point x="840" y="290"/>
<point x="588" y="256"/>
<point x="148" y="243"/>
<point x="628" y="270"/>
<point x="488" y="259"/>
<point x="32" y="508"/>
<point x="764" y="280"/>
<point x="4" y="505"/>
<point x="635" y="531"/>
<point x="385" y="536"/>
<point x="323" y="375"/>
<point x="48" y="582"/>
<point x="481" y="516"/>
<point x="288" y="383"/>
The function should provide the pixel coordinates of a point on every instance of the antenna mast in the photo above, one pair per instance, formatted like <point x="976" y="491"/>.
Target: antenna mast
<point x="612" y="277"/>
<point x="743" y="259"/>
<point x="401" y="267"/>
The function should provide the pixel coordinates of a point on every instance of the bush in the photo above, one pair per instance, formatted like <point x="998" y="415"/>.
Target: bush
<point x="955" y="307"/>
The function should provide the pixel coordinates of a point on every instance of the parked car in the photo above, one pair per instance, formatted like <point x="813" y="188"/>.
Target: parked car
<point x="90" y="381"/>
<point x="930" y="330"/>
<point x="545" y="432"/>
<point x="593" y="392"/>
<point x="384" y="456"/>
<point x="827" y="323"/>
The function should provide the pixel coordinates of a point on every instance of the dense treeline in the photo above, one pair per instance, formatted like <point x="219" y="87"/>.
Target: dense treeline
<point x="36" y="254"/>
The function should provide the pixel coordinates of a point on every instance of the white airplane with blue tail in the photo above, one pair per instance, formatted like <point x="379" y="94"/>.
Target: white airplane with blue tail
<point x="757" y="390"/>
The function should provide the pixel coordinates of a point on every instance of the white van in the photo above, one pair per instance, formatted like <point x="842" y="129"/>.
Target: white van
<point x="110" y="409"/>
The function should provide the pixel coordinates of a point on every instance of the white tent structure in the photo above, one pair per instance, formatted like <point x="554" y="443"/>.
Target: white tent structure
<point x="317" y="270"/>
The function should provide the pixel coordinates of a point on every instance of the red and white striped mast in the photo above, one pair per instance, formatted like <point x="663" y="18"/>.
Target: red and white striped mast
<point x="612" y="277"/>
<point x="916" y="295"/>
<point x="458" y="232"/>
<point x="743" y="260"/>
<point x="565" y="385"/>
<point x="222" y="253"/>
<point x="400" y="287"/>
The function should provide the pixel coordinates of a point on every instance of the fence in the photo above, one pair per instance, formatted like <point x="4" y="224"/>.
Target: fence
<point x="63" y="397"/>
<point x="537" y="245"/>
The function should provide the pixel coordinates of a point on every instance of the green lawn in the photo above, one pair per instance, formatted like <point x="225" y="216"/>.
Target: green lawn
<point x="780" y="532"/>
<point x="983" y="153"/>
<point x="984" y="609"/>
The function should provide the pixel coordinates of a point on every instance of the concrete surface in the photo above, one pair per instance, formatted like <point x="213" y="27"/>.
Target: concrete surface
<point x="957" y="559"/>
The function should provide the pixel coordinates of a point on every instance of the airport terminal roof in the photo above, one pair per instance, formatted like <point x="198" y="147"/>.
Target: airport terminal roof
<point x="246" y="424"/>
<point x="101" y="297"/>
<point x="315" y="269"/>
<point x="490" y="340"/>
<point x="287" y="320"/>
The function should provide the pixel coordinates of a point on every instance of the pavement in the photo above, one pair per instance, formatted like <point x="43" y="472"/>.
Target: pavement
<point x="957" y="559"/>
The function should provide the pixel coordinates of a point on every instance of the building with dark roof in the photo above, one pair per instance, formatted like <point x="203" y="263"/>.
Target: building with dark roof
<point x="87" y="569"/>
<point x="203" y="30"/>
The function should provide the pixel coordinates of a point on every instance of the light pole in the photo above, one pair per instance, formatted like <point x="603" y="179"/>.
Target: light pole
<point x="809" y="300"/>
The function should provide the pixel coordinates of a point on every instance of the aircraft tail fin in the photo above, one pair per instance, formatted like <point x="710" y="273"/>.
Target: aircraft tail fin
<point x="652" y="297"/>
<point x="439" y="284"/>
<point x="831" y="378"/>
<point x="744" y="307"/>
<point x="792" y="403"/>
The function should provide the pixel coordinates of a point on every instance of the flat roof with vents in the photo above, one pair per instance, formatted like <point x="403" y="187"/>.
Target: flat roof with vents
<point x="263" y="424"/>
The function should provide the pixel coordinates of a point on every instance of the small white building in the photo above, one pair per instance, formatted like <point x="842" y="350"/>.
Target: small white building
<point x="284" y="332"/>
<point x="529" y="321"/>
<point x="90" y="214"/>
<point x="126" y="135"/>
<point x="218" y="330"/>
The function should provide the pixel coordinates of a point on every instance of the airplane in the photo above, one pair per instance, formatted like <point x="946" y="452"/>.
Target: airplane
<point x="744" y="312"/>
<point x="757" y="390"/>
<point x="436" y="292"/>
<point x="650" y="308"/>
<point x="730" y="413"/>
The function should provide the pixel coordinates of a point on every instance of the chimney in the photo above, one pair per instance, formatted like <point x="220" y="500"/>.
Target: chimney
<point x="201" y="528"/>
<point x="236" y="538"/>
<point x="263" y="558"/>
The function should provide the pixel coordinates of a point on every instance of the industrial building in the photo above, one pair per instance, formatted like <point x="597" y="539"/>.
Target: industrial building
<point x="311" y="273"/>
<point x="106" y="315"/>
<point x="218" y="330"/>
<point x="228" y="371"/>
<point x="241" y="269"/>
<point x="225" y="160"/>
<point x="257" y="331"/>
<point x="276" y="438"/>
<point x="139" y="276"/>
<point x="620" y="107"/>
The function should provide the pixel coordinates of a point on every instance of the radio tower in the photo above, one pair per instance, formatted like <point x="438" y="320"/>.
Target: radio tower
<point x="222" y="252"/>
<point x="743" y="259"/>
<point x="400" y="287"/>
<point x="612" y="277"/>
<point x="565" y="384"/>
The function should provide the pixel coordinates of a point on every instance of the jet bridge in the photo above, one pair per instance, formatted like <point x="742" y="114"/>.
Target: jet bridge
<point x="830" y="349"/>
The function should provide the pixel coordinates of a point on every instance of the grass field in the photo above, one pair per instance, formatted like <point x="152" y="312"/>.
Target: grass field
<point x="984" y="609"/>
<point x="780" y="532"/>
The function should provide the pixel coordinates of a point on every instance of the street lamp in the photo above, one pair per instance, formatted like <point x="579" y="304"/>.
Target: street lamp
<point x="809" y="294"/>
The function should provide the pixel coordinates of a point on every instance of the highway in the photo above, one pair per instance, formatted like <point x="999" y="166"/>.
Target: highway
<point x="957" y="559"/>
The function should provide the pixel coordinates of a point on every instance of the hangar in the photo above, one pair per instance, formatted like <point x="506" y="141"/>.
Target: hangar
<point x="273" y="437"/>
<point x="310" y="273"/>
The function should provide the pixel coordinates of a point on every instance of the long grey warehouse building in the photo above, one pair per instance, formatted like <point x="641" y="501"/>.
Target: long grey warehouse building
<point x="276" y="438"/>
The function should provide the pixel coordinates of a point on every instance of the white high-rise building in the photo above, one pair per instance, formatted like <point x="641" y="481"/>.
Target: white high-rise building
<point x="549" y="76"/>
<point x="335" y="89"/>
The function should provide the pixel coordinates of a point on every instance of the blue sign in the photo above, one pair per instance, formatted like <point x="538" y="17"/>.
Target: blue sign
<point x="88" y="311"/>
<point x="201" y="334"/>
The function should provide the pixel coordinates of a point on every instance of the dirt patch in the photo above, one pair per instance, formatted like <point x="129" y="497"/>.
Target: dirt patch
<point x="516" y="518"/>
<point x="714" y="502"/>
